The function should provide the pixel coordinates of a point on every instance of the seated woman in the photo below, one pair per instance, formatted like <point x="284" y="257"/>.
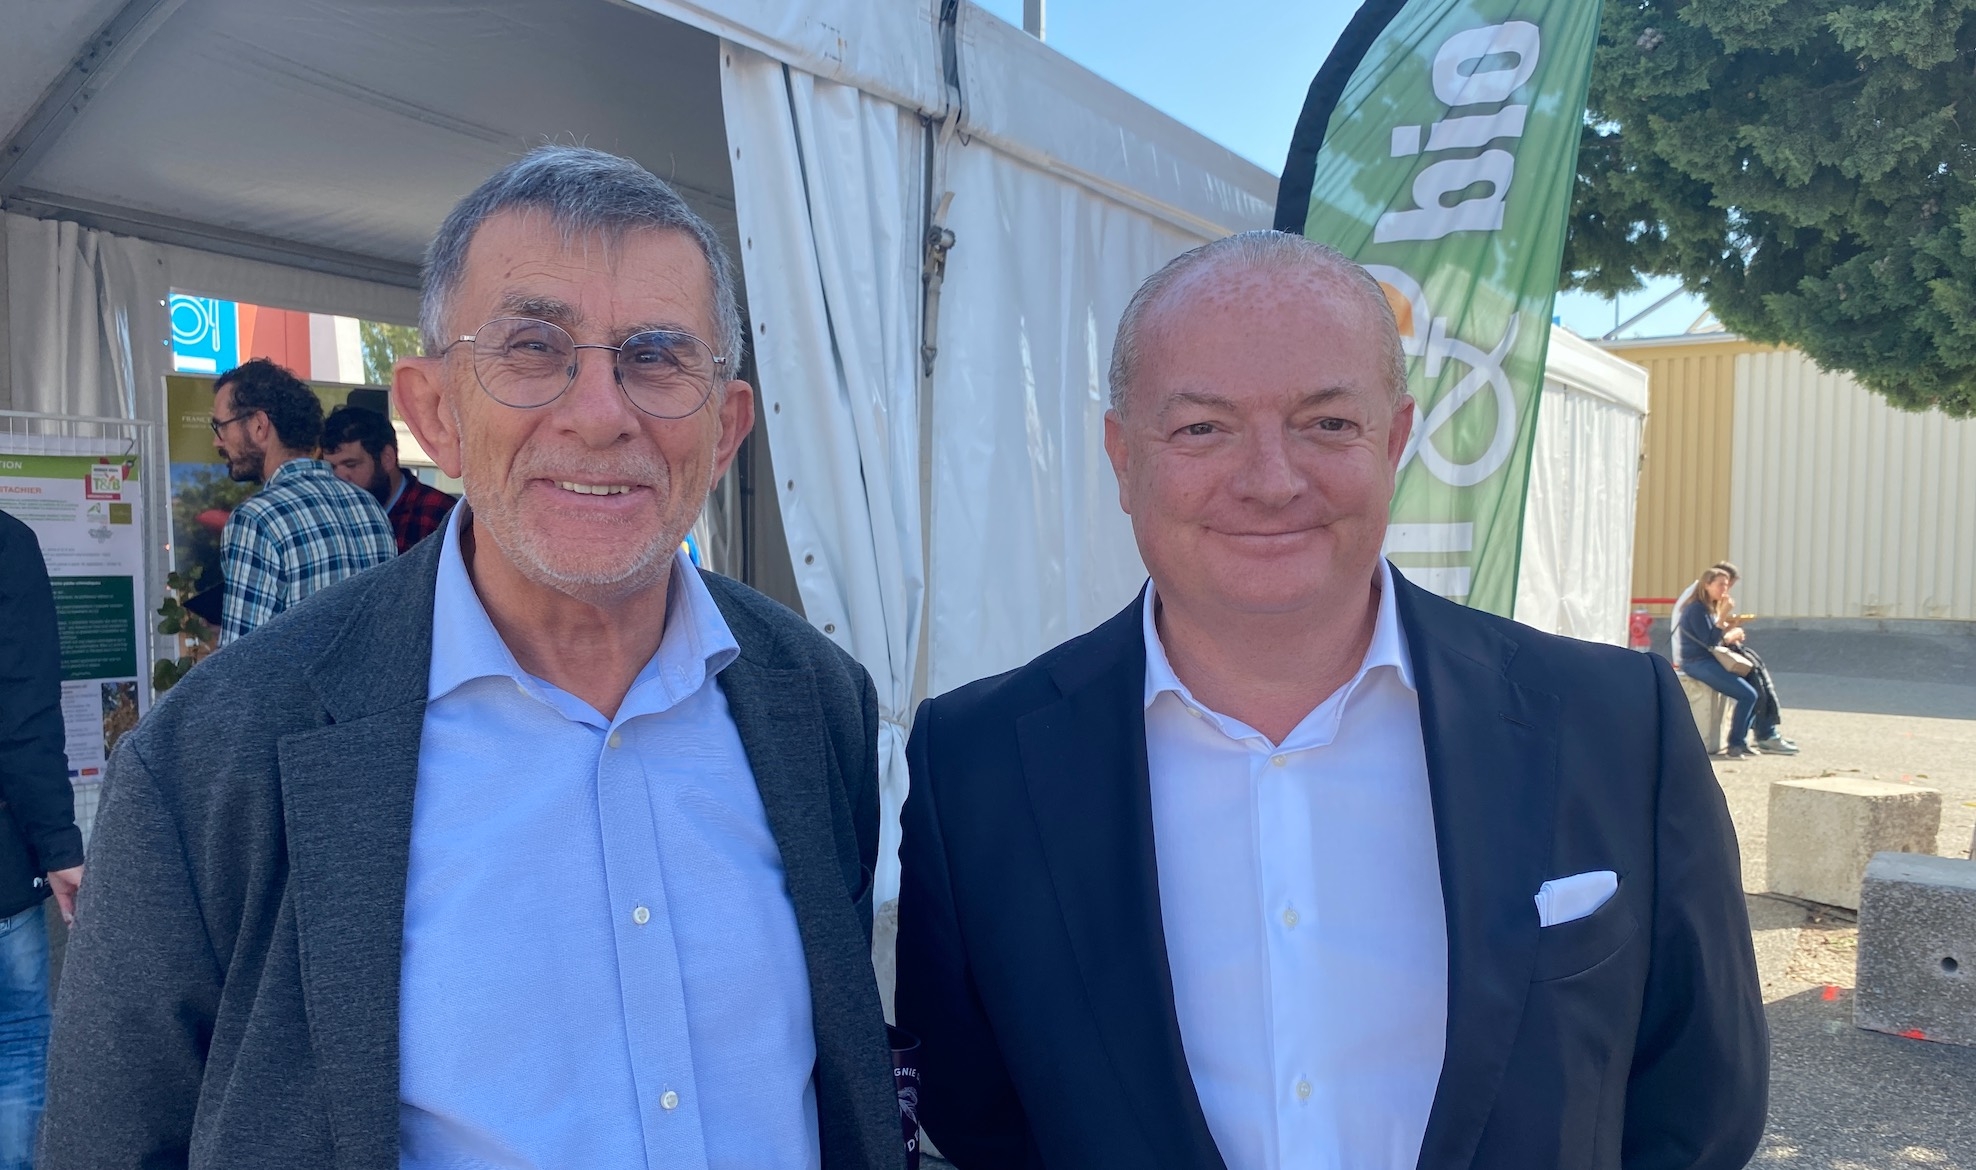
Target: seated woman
<point x="1700" y="630"/>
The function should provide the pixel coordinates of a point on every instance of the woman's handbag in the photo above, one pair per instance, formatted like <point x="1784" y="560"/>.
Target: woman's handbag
<point x="1731" y="661"/>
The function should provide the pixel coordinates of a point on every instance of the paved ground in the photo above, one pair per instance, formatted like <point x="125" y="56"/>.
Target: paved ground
<point x="1889" y="707"/>
<point x="1843" y="1099"/>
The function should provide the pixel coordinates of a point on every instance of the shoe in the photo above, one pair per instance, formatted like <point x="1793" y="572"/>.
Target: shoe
<point x="1737" y="751"/>
<point x="1776" y="745"/>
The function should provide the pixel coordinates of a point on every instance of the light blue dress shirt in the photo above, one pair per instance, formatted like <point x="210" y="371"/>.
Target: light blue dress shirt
<point x="601" y="968"/>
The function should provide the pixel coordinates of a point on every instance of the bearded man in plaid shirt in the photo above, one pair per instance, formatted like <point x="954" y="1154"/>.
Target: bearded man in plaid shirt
<point x="307" y="528"/>
<point x="361" y="447"/>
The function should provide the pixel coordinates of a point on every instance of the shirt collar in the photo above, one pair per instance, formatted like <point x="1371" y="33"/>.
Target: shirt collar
<point x="295" y="467"/>
<point x="404" y="481"/>
<point x="1388" y="647"/>
<point x="697" y="644"/>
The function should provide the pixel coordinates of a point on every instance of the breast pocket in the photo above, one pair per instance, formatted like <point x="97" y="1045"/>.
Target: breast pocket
<point x="1573" y="948"/>
<point x="861" y="888"/>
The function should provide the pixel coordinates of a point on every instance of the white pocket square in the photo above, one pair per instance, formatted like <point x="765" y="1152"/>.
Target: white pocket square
<point x="1568" y="899"/>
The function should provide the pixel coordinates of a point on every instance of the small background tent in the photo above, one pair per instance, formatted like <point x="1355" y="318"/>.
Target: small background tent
<point x="1576" y="574"/>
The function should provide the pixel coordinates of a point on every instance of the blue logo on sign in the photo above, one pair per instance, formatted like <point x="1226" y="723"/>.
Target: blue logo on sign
<point x="205" y="335"/>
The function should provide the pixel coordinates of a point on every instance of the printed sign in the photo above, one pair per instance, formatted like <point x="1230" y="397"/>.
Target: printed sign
<point x="85" y="511"/>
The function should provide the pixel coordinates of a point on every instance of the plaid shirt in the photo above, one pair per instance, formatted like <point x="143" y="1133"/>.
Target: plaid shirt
<point x="418" y="512"/>
<point x="304" y="530"/>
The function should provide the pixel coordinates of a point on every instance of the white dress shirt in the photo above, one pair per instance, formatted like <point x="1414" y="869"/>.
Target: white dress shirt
<point x="1301" y="896"/>
<point x="601" y="966"/>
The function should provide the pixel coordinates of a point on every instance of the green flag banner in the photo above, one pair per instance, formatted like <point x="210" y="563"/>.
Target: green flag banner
<point x="1438" y="147"/>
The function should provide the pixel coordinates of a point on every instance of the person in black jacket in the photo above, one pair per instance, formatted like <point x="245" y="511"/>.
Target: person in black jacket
<point x="40" y="846"/>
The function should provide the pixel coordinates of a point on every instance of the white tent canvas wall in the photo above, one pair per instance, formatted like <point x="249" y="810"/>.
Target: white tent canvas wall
<point x="937" y="218"/>
<point x="1575" y="575"/>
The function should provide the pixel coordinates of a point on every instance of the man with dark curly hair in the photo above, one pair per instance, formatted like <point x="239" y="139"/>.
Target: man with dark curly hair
<point x="307" y="528"/>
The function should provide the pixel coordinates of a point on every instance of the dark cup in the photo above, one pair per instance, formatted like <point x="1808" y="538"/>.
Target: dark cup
<point x="905" y="1079"/>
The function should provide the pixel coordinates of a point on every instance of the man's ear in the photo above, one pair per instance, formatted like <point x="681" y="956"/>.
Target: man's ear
<point x="1396" y="439"/>
<point x="1121" y="462"/>
<point x="737" y="418"/>
<point x="260" y="429"/>
<point x="418" y="390"/>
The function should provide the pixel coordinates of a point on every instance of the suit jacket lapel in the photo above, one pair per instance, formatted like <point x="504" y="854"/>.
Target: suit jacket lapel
<point x="1492" y="767"/>
<point x="782" y="729"/>
<point x="1084" y="760"/>
<point x="347" y="792"/>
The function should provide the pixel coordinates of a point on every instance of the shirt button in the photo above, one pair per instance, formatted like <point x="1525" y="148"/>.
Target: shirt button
<point x="1279" y="761"/>
<point x="641" y="916"/>
<point x="1290" y="918"/>
<point x="616" y="739"/>
<point x="1195" y="712"/>
<point x="1303" y="1091"/>
<point x="669" y="1101"/>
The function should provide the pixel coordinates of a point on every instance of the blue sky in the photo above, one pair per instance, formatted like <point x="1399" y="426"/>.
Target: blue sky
<point x="1237" y="70"/>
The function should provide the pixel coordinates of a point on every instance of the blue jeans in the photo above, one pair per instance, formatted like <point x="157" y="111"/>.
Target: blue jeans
<point x="1707" y="671"/>
<point x="23" y="1034"/>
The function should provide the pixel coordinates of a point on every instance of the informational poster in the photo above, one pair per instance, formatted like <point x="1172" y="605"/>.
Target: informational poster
<point x="202" y="492"/>
<point x="1438" y="148"/>
<point x="86" y="512"/>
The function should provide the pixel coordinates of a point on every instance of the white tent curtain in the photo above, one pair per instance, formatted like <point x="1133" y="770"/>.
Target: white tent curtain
<point x="1576" y="574"/>
<point x="829" y="198"/>
<point x="1029" y="546"/>
<point x="88" y="331"/>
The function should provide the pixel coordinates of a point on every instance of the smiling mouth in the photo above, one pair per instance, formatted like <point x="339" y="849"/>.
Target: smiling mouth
<point x="595" y="489"/>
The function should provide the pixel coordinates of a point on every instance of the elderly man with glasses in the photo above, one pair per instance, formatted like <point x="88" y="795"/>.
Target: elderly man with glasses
<point x="537" y="847"/>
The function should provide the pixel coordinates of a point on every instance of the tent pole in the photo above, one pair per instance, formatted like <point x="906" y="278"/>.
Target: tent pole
<point x="6" y="328"/>
<point x="105" y="53"/>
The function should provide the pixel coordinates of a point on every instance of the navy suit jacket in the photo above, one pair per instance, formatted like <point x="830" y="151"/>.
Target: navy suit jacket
<point x="1033" y="966"/>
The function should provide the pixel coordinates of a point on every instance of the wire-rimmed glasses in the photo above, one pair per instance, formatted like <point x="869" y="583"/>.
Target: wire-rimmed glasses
<point x="526" y="363"/>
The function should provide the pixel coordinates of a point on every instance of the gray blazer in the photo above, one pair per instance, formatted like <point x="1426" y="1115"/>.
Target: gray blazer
<point x="230" y="996"/>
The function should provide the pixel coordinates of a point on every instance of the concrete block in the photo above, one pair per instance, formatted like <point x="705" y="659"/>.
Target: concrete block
<point x="1708" y="706"/>
<point x="1823" y="832"/>
<point x="1917" y="948"/>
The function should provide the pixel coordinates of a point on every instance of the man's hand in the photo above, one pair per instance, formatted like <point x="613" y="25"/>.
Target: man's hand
<point x="66" y="883"/>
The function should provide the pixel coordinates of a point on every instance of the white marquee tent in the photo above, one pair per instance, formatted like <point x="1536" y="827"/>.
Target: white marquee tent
<point x="1576" y="573"/>
<point x="933" y="413"/>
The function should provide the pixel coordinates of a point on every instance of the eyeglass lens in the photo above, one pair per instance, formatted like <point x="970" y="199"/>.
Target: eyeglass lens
<point x="523" y="362"/>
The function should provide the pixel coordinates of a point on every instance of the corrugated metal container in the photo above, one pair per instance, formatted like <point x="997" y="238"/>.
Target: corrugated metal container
<point x="1841" y="505"/>
<point x="1685" y="473"/>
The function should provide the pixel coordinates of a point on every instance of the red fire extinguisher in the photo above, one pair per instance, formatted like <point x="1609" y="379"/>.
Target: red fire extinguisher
<point x="1640" y="626"/>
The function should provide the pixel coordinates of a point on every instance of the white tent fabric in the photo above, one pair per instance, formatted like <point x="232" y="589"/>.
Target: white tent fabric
<point x="829" y="196"/>
<point x="886" y="48"/>
<point x="88" y="325"/>
<point x="1067" y="194"/>
<point x="1576" y="573"/>
<point x="82" y="305"/>
<point x="1029" y="546"/>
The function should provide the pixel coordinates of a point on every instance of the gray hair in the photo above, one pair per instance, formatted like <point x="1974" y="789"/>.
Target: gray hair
<point x="585" y="192"/>
<point x="1265" y="250"/>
